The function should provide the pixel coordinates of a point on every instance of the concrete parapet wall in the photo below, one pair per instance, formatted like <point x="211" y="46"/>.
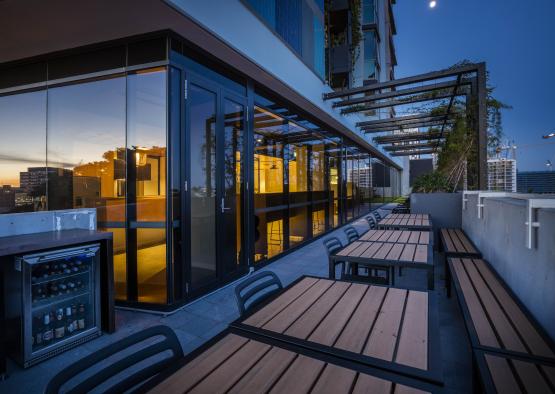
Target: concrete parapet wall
<point x="38" y="222"/>
<point x="501" y="237"/>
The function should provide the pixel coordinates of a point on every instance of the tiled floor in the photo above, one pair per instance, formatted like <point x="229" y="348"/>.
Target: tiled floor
<point x="203" y="319"/>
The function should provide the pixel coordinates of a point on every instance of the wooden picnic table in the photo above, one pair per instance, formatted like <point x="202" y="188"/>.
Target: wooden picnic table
<point x="397" y="236"/>
<point x="384" y="327"/>
<point x="383" y="254"/>
<point x="406" y="221"/>
<point x="238" y="362"/>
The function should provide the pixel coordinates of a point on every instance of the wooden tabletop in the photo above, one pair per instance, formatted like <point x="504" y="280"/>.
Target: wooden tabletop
<point x="361" y="321"/>
<point x="388" y="252"/>
<point x="401" y="220"/>
<point x="497" y="321"/>
<point x="505" y="374"/>
<point x="236" y="364"/>
<point x="455" y="241"/>
<point x="397" y="236"/>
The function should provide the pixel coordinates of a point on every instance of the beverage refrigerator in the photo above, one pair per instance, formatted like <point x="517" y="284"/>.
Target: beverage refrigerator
<point x="58" y="305"/>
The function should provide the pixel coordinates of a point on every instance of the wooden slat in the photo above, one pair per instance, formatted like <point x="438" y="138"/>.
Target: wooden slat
<point x="265" y="314"/>
<point x="395" y="252"/>
<point x="421" y="254"/>
<point x="499" y="320"/>
<point x="334" y="380"/>
<point x="384" y="235"/>
<point x="531" y="377"/>
<point x="484" y="331"/>
<point x="400" y="389"/>
<point x="501" y="374"/>
<point x="227" y="374"/>
<point x="358" y="251"/>
<point x="300" y="376"/>
<point x="347" y="249"/>
<point x="465" y="241"/>
<point x="413" y="344"/>
<point x="310" y="319"/>
<point x="414" y="237"/>
<point x="424" y="237"/>
<point x="353" y="336"/>
<point x="287" y="316"/>
<point x="459" y="248"/>
<point x="447" y="242"/>
<point x="367" y="384"/>
<point x="186" y="377"/>
<point x="383" y="338"/>
<point x="404" y="238"/>
<point x="394" y="236"/>
<point x="330" y="328"/>
<point x="408" y="252"/>
<point x="382" y="251"/>
<point x="265" y="372"/>
<point x="528" y="332"/>
<point x="372" y="249"/>
<point x="550" y="373"/>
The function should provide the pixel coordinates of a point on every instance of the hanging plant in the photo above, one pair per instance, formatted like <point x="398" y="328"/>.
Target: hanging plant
<point x="356" y="31"/>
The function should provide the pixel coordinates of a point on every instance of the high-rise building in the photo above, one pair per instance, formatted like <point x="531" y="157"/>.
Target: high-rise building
<point x="502" y="175"/>
<point x="535" y="181"/>
<point x="360" y="44"/>
<point x="197" y="129"/>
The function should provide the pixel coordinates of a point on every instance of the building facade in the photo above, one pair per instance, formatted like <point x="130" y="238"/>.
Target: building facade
<point x="535" y="181"/>
<point x="502" y="175"/>
<point x="202" y="140"/>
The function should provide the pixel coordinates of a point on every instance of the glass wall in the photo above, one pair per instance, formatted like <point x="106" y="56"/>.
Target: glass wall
<point x="370" y="55"/>
<point x="300" y="23"/>
<point x="23" y="152"/>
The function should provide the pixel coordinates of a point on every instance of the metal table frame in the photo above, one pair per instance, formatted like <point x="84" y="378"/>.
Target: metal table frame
<point x="382" y="263"/>
<point x="433" y="375"/>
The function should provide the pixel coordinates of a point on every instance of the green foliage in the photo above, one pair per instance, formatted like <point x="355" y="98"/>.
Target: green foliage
<point x="434" y="182"/>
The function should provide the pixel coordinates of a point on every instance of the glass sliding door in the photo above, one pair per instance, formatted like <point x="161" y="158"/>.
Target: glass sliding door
<point x="201" y="150"/>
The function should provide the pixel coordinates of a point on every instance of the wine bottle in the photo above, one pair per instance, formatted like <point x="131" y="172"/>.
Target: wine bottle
<point x="70" y="286"/>
<point x="63" y="288"/>
<point x="38" y="330"/>
<point x="47" y="333"/>
<point x="53" y="289"/>
<point x="81" y="317"/>
<point x="59" y="327"/>
<point x="70" y="323"/>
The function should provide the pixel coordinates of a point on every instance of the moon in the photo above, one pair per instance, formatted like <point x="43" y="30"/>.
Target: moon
<point x="433" y="4"/>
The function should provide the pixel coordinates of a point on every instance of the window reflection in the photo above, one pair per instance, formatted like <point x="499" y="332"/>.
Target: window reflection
<point x="146" y="160"/>
<point x="23" y="152"/>
<point x="86" y="157"/>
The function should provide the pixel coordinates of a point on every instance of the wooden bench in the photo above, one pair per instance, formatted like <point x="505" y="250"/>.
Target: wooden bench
<point x="495" y="320"/>
<point x="500" y="373"/>
<point x="453" y="242"/>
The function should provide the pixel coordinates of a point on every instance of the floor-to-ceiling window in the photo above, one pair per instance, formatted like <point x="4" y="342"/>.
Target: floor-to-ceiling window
<point x="270" y="201"/>
<point x="333" y="156"/>
<point x="319" y="190"/>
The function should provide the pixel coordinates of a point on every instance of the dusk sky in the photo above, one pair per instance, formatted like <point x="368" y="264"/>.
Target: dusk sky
<point x="517" y="41"/>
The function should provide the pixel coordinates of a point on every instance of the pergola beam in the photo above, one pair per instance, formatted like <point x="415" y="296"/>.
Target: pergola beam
<point x="414" y="152"/>
<point x="375" y="129"/>
<point x="388" y="139"/>
<point x="403" y="119"/>
<point x="394" y="148"/>
<point x="449" y="72"/>
<point x="402" y="92"/>
<point x="396" y="102"/>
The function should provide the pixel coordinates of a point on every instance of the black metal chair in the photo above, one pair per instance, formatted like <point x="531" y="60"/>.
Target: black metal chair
<point x="371" y="222"/>
<point x="268" y="285"/>
<point x="377" y="215"/>
<point x="351" y="233"/>
<point x="130" y="379"/>
<point x="334" y="245"/>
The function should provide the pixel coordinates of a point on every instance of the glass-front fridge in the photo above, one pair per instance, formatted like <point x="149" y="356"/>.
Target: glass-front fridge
<point x="60" y="301"/>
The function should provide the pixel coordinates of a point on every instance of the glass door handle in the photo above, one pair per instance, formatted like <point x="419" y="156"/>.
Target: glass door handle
<point x="223" y="207"/>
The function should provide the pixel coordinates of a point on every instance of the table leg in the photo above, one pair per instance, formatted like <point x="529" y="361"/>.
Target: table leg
<point x="392" y="273"/>
<point x="431" y="278"/>
<point x="331" y="268"/>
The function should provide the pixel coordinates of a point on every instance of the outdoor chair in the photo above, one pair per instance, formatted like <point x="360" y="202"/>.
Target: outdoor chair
<point x="351" y="233"/>
<point x="256" y="289"/>
<point x="133" y="375"/>
<point x="371" y="222"/>
<point x="377" y="215"/>
<point x="334" y="245"/>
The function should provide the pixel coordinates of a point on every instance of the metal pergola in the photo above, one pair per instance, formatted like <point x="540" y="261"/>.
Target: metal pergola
<point x="423" y="132"/>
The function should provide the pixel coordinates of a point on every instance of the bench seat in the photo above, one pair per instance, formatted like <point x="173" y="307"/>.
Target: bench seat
<point x="453" y="242"/>
<point x="495" y="319"/>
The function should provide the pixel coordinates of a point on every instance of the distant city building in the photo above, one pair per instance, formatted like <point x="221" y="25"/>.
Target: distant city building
<point x="7" y="199"/>
<point x="502" y="175"/>
<point x="535" y="181"/>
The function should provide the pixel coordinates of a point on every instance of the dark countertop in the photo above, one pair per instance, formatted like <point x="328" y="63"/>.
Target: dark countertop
<point x="18" y="244"/>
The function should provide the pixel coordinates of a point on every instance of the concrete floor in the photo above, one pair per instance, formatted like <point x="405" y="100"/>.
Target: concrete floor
<point x="203" y="319"/>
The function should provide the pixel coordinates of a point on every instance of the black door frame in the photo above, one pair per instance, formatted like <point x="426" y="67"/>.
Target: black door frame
<point x="188" y="77"/>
